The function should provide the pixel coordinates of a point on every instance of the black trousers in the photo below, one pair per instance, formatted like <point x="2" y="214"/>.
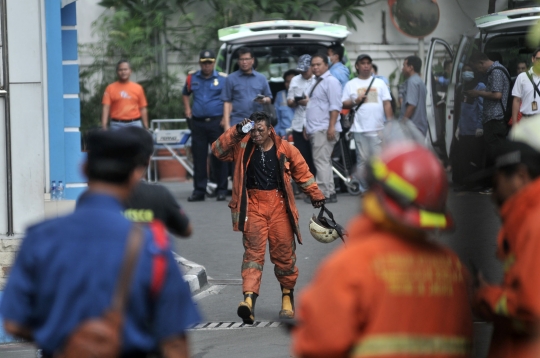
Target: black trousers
<point x="204" y="133"/>
<point x="467" y="157"/>
<point x="495" y="132"/>
<point x="304" y="147"/>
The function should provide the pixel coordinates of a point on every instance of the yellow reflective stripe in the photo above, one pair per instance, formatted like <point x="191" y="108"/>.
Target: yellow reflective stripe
<point x="308" y="183"/>
<point x="501" y="307"/>
<point x="243" y="144"/>
<point x="509" y="262"/>
<point x="394" y="181"/>
<point x="380" y="171"/>
<point x="431" y="219"/>
<point x="393" y="344"/>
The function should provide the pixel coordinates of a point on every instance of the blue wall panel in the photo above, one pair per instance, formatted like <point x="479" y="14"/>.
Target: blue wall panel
<point x="69" y="45"/>
<point x="72" y="112"/>
<point x="73" y="193"/>
<point x="54" y="89"/>
<point x="74" y="158"/>
<point x="70" y="79"/>
<point x="69" y="15"/>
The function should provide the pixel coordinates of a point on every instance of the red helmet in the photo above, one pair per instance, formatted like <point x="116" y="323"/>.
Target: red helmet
<point x="411" y="186"/>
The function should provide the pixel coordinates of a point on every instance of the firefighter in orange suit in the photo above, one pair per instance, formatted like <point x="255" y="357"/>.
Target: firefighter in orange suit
<point x="263" y="205"/>
<point x="391" y="292"/>
<point x="514" y="305"/>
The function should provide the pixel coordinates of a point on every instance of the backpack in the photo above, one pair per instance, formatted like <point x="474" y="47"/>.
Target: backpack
<point x="507" y="108"/>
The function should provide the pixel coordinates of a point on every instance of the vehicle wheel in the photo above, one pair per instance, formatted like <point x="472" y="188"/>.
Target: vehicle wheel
<point x="354" y="187"/>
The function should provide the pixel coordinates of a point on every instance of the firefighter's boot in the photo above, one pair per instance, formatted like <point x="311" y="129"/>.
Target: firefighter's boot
<point x="287" y="303"/>
<point x="246" y="308"/>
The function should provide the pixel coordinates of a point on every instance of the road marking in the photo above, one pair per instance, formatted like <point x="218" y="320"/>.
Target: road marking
<point x="212" y="326"/>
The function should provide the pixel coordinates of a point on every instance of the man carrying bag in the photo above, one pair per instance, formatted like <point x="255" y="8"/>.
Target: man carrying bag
<point x="370" y="103"/>
<point x="67" y="269"/>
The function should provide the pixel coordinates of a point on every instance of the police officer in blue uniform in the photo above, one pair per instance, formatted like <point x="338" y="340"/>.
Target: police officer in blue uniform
<point x="206" y="115"/>
<point x="66" y="270"/>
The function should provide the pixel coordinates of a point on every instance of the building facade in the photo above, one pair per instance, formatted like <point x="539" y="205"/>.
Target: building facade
<point x="39" y="117"/>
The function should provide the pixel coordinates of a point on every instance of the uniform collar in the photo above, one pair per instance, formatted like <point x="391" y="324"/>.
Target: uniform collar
<point x="242" y="73"/>
<point x="107" y="202"/>
<point x="213" y="75"/>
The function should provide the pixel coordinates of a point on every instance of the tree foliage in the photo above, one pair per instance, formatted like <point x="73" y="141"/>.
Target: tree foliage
<point x="149" y="32"/>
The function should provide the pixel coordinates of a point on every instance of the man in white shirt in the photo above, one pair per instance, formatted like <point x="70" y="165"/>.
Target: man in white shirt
<point x="526" y="98"/>
<point x="322" y="125"/>
<point x="297" y="99"/>
<point x="370" y="116"/>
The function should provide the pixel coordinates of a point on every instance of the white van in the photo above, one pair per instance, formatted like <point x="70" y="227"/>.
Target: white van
<point x="501" y="36"/>
<point x="277" y="45"/>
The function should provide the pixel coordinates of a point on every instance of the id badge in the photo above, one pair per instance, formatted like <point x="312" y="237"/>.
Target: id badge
<point x="534" y="106"/>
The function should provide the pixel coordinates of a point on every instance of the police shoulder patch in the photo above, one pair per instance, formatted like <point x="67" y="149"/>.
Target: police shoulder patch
<point x="222" y="74"/>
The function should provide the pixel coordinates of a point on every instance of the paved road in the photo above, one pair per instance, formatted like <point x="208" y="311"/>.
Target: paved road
<point x="219" y="249"/>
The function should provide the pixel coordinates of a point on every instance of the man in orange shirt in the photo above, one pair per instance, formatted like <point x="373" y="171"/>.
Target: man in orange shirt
<point x="124" y="102"/>
<point x="514" y="305"/>
<point x="391" y="291"/>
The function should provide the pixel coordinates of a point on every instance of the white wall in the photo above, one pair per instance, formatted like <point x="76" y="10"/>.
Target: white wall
<point x="27" y="112"/>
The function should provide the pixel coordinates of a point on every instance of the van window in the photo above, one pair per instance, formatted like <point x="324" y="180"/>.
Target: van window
<point x="274" y="60"/>
<point x="509" y="49"/>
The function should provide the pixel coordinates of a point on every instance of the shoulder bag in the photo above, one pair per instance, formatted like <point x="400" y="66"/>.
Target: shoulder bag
<point x="348" y="119"/>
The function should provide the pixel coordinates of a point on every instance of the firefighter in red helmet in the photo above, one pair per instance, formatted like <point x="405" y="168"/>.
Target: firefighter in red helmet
<point x="391" y="291"/>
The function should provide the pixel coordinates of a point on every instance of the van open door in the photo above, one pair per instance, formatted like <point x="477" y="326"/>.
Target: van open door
<point x="454" y="92"/>
<point x="438" y="77"/>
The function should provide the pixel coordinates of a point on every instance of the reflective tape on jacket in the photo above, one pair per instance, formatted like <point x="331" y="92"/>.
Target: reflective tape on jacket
<point x="395" y="344"/>
<point x="501" y="307"/>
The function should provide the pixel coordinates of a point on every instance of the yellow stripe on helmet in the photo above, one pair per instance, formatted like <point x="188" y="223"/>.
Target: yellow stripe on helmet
<point x="393" y="180"/>
<point x="431" y="219"/>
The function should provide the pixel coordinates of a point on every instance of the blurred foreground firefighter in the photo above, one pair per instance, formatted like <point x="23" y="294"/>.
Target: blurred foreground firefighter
<point x="69" y="271"/>
<point x="263" y="206"/>
<point x="391" y="291"/>
<point x="514" y="305"/>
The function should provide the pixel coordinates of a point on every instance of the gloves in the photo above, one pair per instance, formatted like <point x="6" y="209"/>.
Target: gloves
<point x="318" y="204"/>
<point x="479" y="132"/>
<point x="457" y="134"/>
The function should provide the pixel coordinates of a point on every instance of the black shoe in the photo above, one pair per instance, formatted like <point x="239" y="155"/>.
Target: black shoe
<point x="196" y="197"/>
<point x="332" y="199"/>
<point x="221" y="197"/>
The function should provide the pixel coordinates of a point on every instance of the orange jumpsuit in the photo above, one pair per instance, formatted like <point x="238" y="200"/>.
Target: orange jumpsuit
<point x="515" y="304"/>
<point x="266" y="215"/>
<point x="385" y="296"/>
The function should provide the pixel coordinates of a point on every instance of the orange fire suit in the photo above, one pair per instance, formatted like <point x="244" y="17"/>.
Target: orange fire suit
<point x="266" y="215"/>
<point x="385" y="296"/>
<point x="514" y="305"/>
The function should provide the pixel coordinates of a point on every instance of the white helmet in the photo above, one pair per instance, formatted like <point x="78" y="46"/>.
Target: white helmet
<point x="325" y="230"/>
